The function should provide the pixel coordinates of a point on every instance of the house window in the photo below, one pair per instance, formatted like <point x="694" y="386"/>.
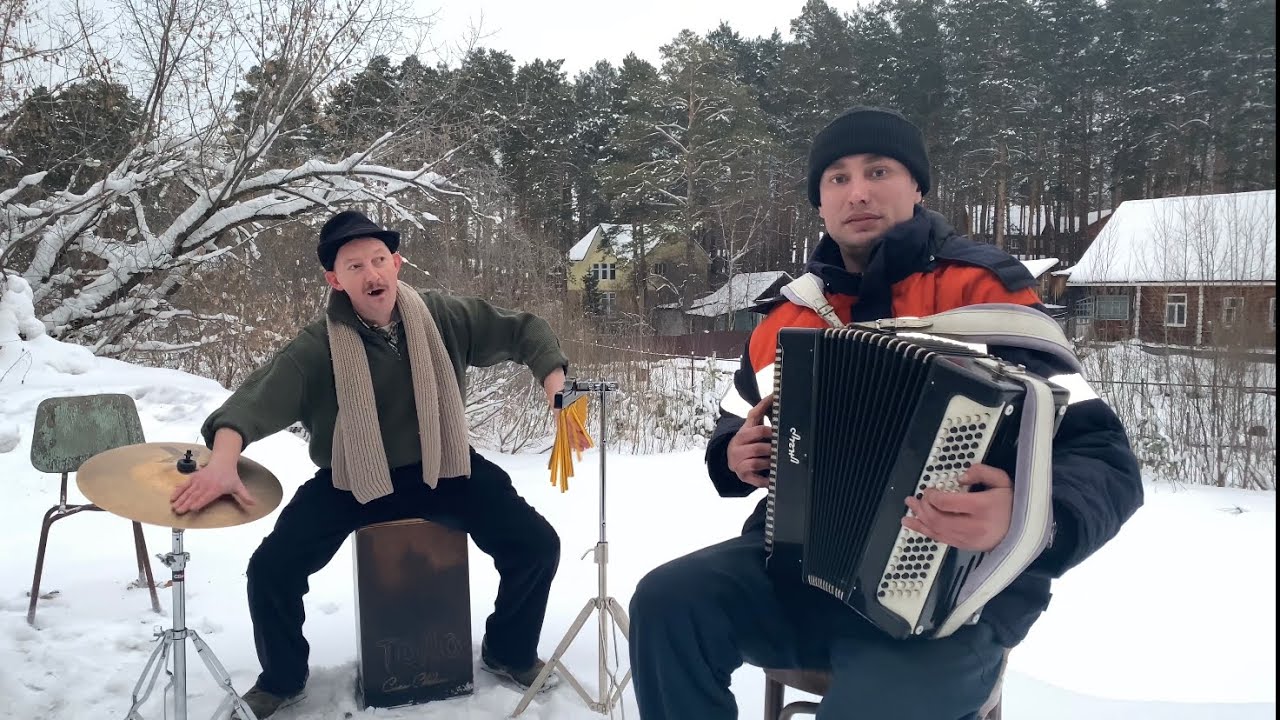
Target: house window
<point x="608" y="303"/>
<point x="604" y="271"/>
<point x="1084" y="310"/>
<point x="746" y="321"/>
<point x="1271" y="315"/>
<point x="1175" y="310"/>
<point x="660" y="268"/>
<point x="1232" y="307"/>
<point x="1111" y="307"/>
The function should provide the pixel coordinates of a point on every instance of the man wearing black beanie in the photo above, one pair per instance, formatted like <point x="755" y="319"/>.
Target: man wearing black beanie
<point x="698" y="618"/>
<point x="872" y="168"/>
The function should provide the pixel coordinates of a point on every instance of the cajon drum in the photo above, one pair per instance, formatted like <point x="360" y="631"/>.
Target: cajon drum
<point x="413" y="614"/>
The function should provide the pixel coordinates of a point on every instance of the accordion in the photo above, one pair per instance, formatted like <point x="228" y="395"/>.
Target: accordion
<point x="864" y="418"/>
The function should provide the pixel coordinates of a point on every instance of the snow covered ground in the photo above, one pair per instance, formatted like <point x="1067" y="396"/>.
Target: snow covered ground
<point x="1174" y="620"/>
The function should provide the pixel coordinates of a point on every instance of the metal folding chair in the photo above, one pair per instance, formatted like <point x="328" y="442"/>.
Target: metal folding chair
<point x="68" y="431"/>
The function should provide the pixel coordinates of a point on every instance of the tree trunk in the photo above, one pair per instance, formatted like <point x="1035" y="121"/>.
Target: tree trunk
<point x="1036" y="215"/>
<point x="1002" y="192"/>
<point x="640" y="278"/>
<point x="1086" y="163"/>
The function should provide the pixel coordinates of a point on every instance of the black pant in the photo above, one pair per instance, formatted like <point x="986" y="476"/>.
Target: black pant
<point x="310" y="529"/>
<point x="698" y="618"/>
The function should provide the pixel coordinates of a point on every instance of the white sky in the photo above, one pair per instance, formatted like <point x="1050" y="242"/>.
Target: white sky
<point x="583" y="31"/>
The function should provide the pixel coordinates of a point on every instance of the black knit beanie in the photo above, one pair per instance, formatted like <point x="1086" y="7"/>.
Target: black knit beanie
<point x="868" y="130"/>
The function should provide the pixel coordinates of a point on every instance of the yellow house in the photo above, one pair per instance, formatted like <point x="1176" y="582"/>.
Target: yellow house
<point x="610" y="253"/>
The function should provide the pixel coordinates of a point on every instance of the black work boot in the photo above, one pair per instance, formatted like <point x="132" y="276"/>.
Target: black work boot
<point x="265" y="704"/>
<point x="524" y="677"/>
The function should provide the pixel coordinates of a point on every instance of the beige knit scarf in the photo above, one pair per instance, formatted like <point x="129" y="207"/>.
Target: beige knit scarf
<point x="359" y="459"/>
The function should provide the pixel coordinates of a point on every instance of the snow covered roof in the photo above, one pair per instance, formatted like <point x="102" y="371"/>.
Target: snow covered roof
<point x="1228" y="238"/>
<point x="739" y="293"/>
<point x="1096" y="215"/>
<point x="622" y="242"/>
<point x="583" y="246"/>
<point x="1039" y="266"/>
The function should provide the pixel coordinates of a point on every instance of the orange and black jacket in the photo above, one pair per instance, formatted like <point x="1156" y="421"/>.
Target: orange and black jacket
<point x="923" y="267"/>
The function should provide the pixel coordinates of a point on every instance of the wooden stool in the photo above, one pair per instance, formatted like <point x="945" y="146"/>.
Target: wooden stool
<point x="814" y="682"/>
<point x="413" y="614"/>
<point x="817" y="682"/>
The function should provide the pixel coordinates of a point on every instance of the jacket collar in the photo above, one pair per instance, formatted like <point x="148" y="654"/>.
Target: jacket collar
<point x="905" y="249"/>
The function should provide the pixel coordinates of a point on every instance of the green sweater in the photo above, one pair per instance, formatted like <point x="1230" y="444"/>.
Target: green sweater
<point x="297" y="384"/>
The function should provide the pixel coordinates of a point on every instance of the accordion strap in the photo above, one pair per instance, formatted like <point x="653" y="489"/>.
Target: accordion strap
<point x="807" y="291"/>
<point x="984" y="323"/>
<point x="990" y="324"/>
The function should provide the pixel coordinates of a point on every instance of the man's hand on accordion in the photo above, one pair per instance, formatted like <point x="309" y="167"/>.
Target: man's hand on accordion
<point x="974" y="520"/>
<point x="750" y="448"/>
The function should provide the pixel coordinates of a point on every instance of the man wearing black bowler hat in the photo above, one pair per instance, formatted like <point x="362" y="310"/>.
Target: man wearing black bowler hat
<point x="379" y="384"/>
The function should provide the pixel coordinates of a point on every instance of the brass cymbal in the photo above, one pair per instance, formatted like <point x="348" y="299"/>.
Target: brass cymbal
<point x="136" y="482"/>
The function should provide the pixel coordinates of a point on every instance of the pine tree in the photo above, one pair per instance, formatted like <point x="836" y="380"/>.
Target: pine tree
<point x="598" y="104"/>
<point x="591" y="299"/>
<point x="537" y="153"/>
<point x="1245" y="99"/>
<point x="820" y="73"/>
<point x="693" y="125"/>
<point x="74" y="135"/>
<point x="993" y="75"/>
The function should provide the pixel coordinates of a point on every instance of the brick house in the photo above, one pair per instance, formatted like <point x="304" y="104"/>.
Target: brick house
<point x="1194" y="271"/>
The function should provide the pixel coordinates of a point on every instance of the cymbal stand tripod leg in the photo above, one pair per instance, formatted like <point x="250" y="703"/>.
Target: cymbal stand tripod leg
<point x="159" y="660"/>
<point x="231" y="699"/>
<point x="174" y="641"/>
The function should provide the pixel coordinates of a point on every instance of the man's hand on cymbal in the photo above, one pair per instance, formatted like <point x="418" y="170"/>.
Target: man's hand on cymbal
<point x="208" y="484"/>
<point x="750" y="449"/>
<point x="216" y="479"/>
<point x="974" y="520"/>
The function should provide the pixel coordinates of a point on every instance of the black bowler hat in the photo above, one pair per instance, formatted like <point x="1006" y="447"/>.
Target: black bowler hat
<point x="350" y="225"/>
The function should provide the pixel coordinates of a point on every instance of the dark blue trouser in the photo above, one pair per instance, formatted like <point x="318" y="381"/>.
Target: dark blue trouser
<point x="310" y="529"/>
<point x="698" y="618"/>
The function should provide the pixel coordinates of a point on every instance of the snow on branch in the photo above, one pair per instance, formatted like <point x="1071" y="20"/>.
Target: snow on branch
<point x="204" y="171"/>
<point x="274" y="194"/>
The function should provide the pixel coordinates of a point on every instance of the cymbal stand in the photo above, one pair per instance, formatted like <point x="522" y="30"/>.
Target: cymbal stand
<point x="174" y="641"/>
<point x="608" y="607"/>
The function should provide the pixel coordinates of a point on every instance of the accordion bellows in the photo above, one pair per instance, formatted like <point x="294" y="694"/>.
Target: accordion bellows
<point x="865" y="418"/>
